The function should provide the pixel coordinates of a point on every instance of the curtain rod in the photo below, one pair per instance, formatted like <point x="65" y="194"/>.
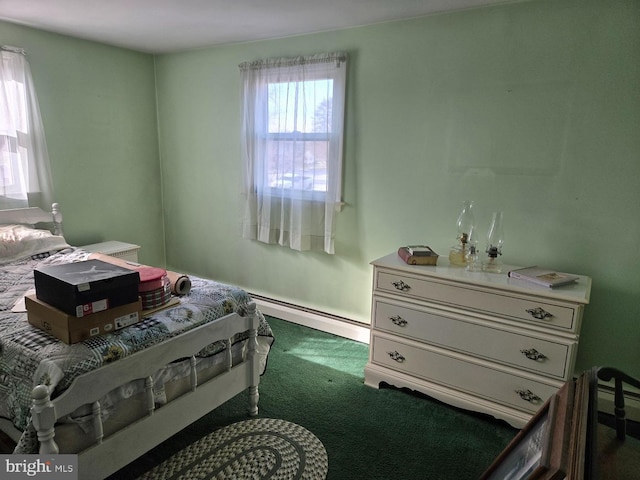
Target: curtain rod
<point x="9" y="48"/>
<point x="337" y="57"/>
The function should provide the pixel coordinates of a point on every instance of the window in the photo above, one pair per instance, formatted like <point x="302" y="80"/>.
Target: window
<point x="297" y="140"/>
<point x="25" y="177"/>
<point x="293" y="117"/>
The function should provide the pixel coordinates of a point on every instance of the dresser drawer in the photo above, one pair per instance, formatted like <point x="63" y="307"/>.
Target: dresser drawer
<point x="477" y="379"/>
<point x="450" y="331"/>
<point x="511" y="306"/>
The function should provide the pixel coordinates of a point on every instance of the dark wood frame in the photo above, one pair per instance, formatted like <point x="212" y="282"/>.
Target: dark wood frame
<point x="548" y="433"/>
<point x="569" y="448"/>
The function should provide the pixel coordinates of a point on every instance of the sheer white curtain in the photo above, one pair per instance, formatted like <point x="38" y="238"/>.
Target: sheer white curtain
<point x="25" y="175"/>
<point x="292" y="142"/>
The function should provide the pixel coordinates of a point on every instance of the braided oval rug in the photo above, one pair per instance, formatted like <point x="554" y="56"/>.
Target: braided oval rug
<point x="260" y="448"/>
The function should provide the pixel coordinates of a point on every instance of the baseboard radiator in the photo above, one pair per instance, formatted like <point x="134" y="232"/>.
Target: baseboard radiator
<point x="316" y="319"/>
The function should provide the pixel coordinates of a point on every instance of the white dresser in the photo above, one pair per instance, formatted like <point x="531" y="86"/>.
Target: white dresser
<point x="475" y="340"/>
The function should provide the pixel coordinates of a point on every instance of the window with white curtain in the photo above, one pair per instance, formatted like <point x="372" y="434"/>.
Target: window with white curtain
<point x="292" y="142"/>
<point x="25" y="177"/>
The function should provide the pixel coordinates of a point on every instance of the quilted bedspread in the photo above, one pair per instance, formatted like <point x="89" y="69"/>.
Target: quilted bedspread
<point x="29" y="356"/>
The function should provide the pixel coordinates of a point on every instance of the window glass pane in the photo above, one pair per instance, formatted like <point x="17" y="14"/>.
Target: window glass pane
<point x="299" y="122"/>
<point x="300" y="165"/>
<point x="13" y="114"/>
<point x="300" y="106"/>
<point x="10" y="172"/>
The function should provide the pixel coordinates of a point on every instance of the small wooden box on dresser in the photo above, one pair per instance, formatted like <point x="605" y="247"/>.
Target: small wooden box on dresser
<point x="479" y="341"/>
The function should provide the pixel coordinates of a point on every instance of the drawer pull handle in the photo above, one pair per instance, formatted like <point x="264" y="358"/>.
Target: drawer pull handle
<point x="400" y="285"/>
<point x="398" y="320"/>
<point x="539" y="313"/>
<point x="396" y="356"/>
<point x="529" y="396"/>
<point x="533" y="354"/>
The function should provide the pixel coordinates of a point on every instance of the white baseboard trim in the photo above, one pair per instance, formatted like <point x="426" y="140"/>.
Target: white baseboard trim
<point x="313" y="319"/>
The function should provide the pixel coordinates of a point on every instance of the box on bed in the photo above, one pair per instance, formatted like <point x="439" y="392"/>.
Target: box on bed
<point x="83" y="288"/>
<point x="71" y="329"/>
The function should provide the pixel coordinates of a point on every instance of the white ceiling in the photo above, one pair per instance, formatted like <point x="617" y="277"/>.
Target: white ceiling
<point x="160" y="26"/>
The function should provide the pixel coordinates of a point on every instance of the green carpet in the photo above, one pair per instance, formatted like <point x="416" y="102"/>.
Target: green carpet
<point x="316" y="379"/>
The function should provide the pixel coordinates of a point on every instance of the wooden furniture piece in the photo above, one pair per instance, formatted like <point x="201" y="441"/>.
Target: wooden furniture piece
<point x="479" y="341"/>
<point x="618" y="455"/>
<point x="541" y="449"/>
<point x="564" y="439"/>
<point x="619" y="379"/>
<point x="113" y="248"/>
<point x="148" y="422"/>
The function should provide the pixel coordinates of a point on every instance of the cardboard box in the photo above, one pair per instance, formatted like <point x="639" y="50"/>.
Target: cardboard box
<point x="85" y="288"/>
<point x="71" y="329"/>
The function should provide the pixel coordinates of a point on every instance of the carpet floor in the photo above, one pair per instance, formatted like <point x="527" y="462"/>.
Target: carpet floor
<point x="315" y="380"/>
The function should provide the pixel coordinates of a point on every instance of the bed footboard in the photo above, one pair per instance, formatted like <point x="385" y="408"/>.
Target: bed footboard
<point x="112" y="452"/>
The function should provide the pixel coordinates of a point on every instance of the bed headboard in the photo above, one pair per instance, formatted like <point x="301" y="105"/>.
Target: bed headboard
<point x="33" y="215"/>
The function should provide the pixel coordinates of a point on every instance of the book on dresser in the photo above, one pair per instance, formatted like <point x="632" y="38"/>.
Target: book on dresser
<point x="543" y="276"/>
<point x="418" y="255"/>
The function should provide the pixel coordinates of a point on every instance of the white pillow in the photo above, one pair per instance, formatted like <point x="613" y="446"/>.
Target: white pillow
<point x="18" y="242"/>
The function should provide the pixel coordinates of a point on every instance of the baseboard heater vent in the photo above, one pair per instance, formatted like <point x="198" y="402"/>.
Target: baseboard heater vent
<point x="309" y="317"/>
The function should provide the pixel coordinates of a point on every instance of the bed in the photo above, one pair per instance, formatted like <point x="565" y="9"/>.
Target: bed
<point x="113" y="397"/>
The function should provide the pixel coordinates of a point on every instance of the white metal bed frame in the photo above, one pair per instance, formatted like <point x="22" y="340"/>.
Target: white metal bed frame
<point x="115" y="451"/>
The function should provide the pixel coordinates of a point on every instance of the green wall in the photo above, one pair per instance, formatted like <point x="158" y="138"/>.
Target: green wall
<point x="99" y="113"/>
<point x="532" y="108"/>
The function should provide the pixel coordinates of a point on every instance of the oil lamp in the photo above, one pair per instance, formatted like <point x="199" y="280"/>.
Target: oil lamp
<point x="495" y="240"/>
<point x="458" y="255"/>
